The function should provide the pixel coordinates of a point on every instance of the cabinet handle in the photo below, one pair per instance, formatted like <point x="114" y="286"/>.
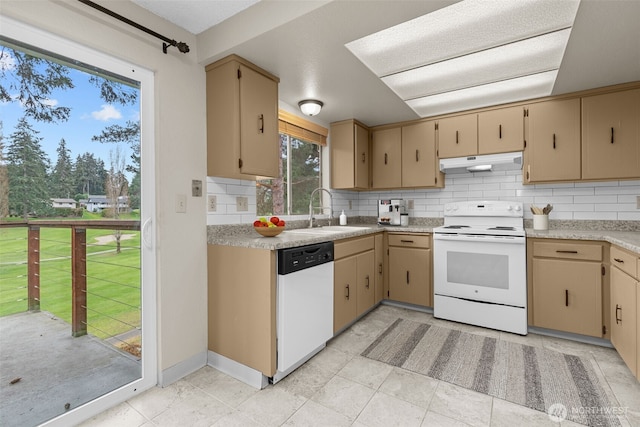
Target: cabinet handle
<point x="618" y="319"/>
<point x="261" y="120"/>
<point x="621" y="261"/>
<point x="407" y="277"/>
<point x="346" y="294"/>
<point x="406" y="241"/>
<point x="612" y="135"/>
<point x="566" y="252"/>
<point x="417" y="156"/>
<point x="363" y="157"/>
<point x="566" y="297"/>
<point x="500" y="131"/>
<point x="385" y="158"/>
<point x="456" y="137"/>
<point x="380" y="268"/>
<point x="367" y="285"/>
<point x="554" y="141"/>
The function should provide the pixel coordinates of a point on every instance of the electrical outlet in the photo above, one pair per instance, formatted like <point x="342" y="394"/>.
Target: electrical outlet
<point x="242" y="204"/>
<point x="181" y="203"/>
<point x="350" y="205"/>
<point x="196" y="188"/>
<point x="410" y="204"/>
<point x="637" y="202"/>
<point x="211" y="203"/>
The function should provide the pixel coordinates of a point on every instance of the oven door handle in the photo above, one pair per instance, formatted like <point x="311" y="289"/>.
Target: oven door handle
<point x="480" y="238"/>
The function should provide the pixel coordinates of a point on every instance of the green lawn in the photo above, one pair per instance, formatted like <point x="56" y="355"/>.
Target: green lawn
<point x="113" y="280"/>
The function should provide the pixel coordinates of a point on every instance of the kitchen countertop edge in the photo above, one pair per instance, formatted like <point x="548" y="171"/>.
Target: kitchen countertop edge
<point x="629" y="240"/>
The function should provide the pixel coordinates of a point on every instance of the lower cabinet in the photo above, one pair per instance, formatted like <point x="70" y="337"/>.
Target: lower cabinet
<point x="410" y="269"/>
<point x="625" y="300"/>
<point x="566" y="286"/>
<point x="354" y="280"/>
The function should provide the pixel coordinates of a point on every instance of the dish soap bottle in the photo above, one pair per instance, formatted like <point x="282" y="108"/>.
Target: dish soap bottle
<point x="343" y="218"/>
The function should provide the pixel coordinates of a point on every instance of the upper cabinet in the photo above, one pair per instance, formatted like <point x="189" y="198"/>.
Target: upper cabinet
<point x="611" y="135"/>
<point x="553" y="141"/>
<point x="386" y="158"/>
<point x="501" y="131"/>
<point x="419" y="159"/>
<point x="242" y="120"/>
<point x="349" y="155"/>
<point x="458" y="136"/>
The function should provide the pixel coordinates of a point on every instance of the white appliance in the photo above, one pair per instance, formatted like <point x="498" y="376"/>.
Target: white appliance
<point x="481" y="162"/>
<point x="304" y="310"/>
<point x="480" y="274"/>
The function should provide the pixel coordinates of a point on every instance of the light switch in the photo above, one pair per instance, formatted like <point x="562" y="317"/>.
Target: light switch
<point x="196" y="188"/>
<point x="181" y="203"/>
<point x="410" y="204"/>
<point x="242" y="204"/>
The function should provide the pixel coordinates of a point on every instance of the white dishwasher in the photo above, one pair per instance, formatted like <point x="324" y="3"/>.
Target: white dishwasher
<point x="304" y="319"/>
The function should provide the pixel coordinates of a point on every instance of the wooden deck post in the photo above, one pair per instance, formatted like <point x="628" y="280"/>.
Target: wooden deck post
<point x="78" y="281"/>
<point x="33" y="269"/>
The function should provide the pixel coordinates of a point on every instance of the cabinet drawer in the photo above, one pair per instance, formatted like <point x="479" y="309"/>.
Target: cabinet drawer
<point x="625" y="261"/>
<point x="569" y="250"/>
<point x="410" y="240"/>
<point x="344" y="248"/>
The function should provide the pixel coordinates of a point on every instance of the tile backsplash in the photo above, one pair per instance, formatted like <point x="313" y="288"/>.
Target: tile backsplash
<point x="610" y="200"/>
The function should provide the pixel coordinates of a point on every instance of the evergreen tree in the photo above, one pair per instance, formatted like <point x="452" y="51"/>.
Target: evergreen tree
<point x="27" y="165"/>
<point x="89" y="175"/>
<point x="62" y="182"/>
<point x="4" y="180"/>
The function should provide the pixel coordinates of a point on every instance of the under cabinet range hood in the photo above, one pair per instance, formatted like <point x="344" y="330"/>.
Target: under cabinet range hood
<point x="481" y="162"/>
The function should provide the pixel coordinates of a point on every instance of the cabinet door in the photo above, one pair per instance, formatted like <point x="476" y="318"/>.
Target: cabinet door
<point x="344" y="292"/>
<point x="567" y="296"/>
<point x="409" y="275"/>
<point x="624" y="317"/>
<point x="386" y="167"/>
<point x="362" y="159"/>
<point x="611" y="135"/>
<point x="458" y="136"/>
<point x="501" y="131"/>
<point x="259" y="139"/>
<point x="553" y="141"/>
<point x="365" y="296"/>
<point x="349" y="155"/>
<point x="419" y="155"/>
<point x="379" y="266"/>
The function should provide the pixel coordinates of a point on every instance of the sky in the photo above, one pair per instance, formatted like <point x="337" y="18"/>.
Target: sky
<point x="88" y="117"/>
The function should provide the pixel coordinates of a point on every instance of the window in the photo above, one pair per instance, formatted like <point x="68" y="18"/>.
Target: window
<point x="300" y="169"/>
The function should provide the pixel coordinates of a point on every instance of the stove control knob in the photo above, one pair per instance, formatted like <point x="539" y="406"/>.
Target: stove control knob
<point x="509" y="208"/>
<point x="517" y="208"/>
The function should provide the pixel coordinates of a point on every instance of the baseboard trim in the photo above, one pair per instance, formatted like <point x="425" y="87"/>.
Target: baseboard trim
<point x="182" y="369"/>
<point x="247" y="375"/>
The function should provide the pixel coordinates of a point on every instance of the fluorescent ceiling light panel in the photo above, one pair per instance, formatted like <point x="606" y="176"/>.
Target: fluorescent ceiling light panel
<point x="462" y="28"/>
<point x="530" y="56"/>
<point x="529" y="87"/>
<point x="472" y="54"/>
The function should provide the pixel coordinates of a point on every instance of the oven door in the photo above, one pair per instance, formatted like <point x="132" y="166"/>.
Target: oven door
<point x="481" y="268"/>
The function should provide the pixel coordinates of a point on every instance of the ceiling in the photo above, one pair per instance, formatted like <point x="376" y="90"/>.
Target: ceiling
<point x="308" y="52"/>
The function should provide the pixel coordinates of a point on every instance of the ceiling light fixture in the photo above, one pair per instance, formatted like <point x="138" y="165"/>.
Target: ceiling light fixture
<point x="469" y="45"/>
<point x="310" y="107"/>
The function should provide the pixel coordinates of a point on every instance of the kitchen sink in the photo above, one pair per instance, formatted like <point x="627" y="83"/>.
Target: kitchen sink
<point x="329" y="229"/>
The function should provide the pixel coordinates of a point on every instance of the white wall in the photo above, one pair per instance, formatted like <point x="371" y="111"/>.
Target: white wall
<point x="180" y="130"/>
<point x="610" y="200"/>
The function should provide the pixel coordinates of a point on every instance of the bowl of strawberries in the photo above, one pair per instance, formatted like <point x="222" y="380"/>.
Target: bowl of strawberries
<point x="269" y="227"/>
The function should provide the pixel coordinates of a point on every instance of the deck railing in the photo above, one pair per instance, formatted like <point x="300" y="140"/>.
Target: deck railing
<point x="78" y="261"/>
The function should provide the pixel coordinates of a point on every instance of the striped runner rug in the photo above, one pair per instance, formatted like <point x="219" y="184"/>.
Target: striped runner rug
<point x="562" y="385"/>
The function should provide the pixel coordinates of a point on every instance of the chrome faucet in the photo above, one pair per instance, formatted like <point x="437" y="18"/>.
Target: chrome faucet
<point x="321" y="207"/>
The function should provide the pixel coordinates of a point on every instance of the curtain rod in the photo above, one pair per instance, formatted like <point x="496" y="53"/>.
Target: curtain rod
<point x="182" y="47"/>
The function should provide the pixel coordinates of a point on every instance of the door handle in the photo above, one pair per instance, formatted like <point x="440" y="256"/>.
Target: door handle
<point x="385" y="158"/>
<point x="621" y="261"/>
<point x="363" y="157"/>
<point x="367" y="279"/>
<point x="407" y="277"/>
<point x="567" y="252"/>
<point x="554" y="141"/>
<point x="618" y="319"/>
<point x="380" y="268"/>
<point x="346" y="294"/>
<point x="146" y="239"/>
<point x="500" y="131"/>
<point x="456" y="137"/>
<point x="417" y="156"/>
<point x="612" y="135"/>
<point x="261" y="121"/>
<point x="406" y="241"/>
<point x="566" y="297"/>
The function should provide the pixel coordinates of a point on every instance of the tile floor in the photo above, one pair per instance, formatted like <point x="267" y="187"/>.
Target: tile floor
<point x="338" y="387"/>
